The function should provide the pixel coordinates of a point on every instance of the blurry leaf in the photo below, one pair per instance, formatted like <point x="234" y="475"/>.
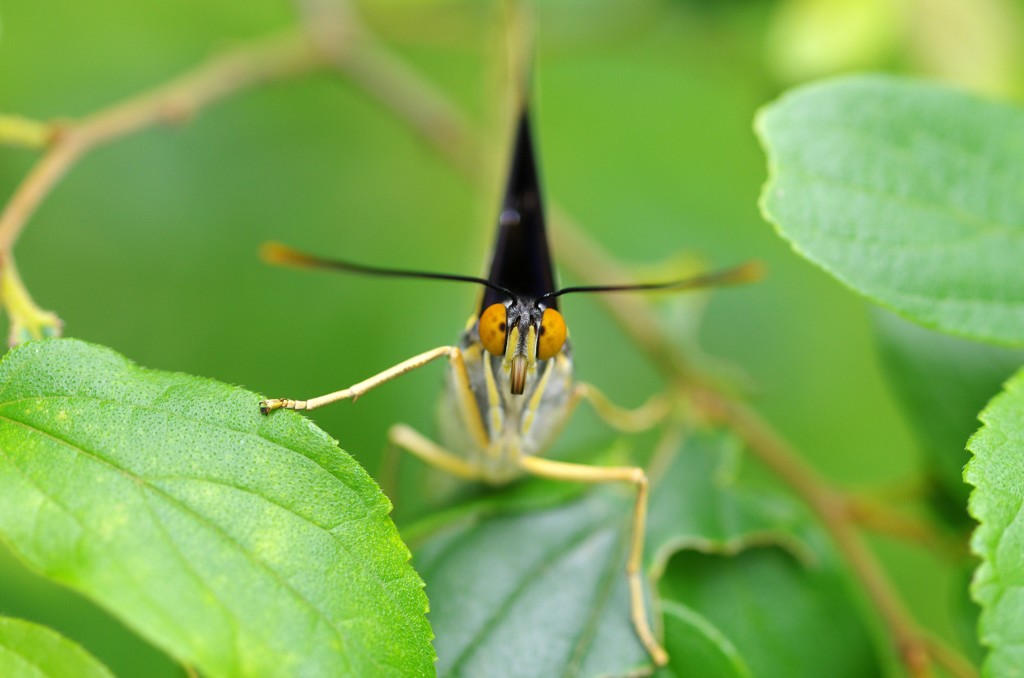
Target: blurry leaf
<point x="32" y="651"/>
<point x="240" y="544"/>
<point x="25" y="594"/>
<point x="540" y="593"/>
<point x="784" y="617"/>
<point x="548" y="586"/>
<point x="997" y="473"/>
<point x="909" y="193"/>
<point x="943" y="382"/>
<point x="696" y="648"/>
<point x="697" y="505"/>
<point x="754" y="565"/>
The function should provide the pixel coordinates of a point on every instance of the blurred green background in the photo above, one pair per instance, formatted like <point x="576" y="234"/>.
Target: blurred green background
<point x="643" y="113"/>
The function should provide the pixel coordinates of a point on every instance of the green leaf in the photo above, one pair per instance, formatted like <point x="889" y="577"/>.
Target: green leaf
<point x="772" y="608"/>
<point x="997" y="473"/>
<point x="696" y="648"/>
<point x="910" y="193"/>
<point x="548" y="586"/>
<point x="31" y="651"/>
<point x="772" y="571"/>
<point x="698" y="505"/>
<point x="240" y="544"/>
<point x="942" y="382"/>
<point x="537" y="593"/>
<point x="755" y="566"/>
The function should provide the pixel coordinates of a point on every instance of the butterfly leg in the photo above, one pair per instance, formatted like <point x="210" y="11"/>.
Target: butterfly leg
<point x="637" y="420"/>
<point x="406" y="438"/>
<point x="356" y="390"/>
<point x="581" y="473"/>
<point x="402" y="437"/>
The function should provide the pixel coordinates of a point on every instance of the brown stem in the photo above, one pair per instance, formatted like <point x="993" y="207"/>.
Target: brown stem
<point x="831" y="507"/>
<point x="272" y="58"/>
<point x="956" y="665"/>
<point x="30" y="193"/>
<point x="279" y="56"/>
<point x="387" y="79"/>
<point x="27" y="320"/>
<point x="872" y="514"/>
<point x="582" y="256"/>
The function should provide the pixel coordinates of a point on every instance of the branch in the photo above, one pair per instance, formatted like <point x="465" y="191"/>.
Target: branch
<point x="28" y="321"/>
<point x="831" y="507"/>
<point x="872" y="514"/>
<point x="583" y="256"/>
<point x="279" y="56"/>
<point x="378" y="72"/>
<point x="273" y="58"/>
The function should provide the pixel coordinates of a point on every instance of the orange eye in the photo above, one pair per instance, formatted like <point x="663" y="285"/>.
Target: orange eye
<point x="493" y="328"/>
<point x="552" y="334"/>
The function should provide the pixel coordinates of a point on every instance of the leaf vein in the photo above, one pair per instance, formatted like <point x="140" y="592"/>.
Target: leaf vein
<point x="127" y="574"/>
<point x="306" y="602"/>
<point x="983" y="226"/>
<point x="492" y="621"/>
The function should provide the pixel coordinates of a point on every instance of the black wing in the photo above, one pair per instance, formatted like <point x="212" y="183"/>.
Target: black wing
<point x="522" y="258"/>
